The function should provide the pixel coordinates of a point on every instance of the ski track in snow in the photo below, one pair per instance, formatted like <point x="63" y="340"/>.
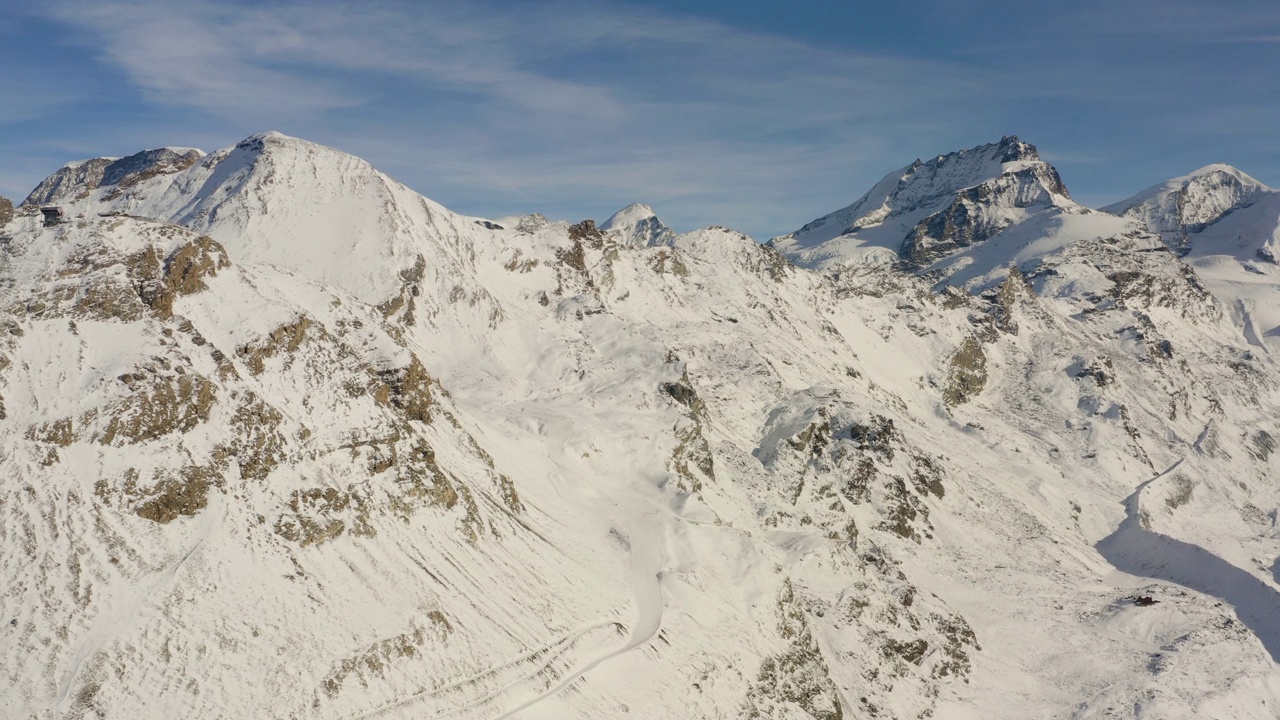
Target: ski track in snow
<point x="646" y="561"/>
<point x="646" y="568"/>
<point x="645" y="571"/>
<point x="552" y="650"/>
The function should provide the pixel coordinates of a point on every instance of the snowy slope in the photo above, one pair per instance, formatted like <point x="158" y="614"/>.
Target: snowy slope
<point x="1227" y="226"/>
<point x="535" y="469"/>
<point x="636" y="225"/>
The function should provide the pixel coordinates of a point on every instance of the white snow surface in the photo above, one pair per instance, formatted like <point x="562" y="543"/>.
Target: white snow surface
<point x="636" y="225"/>
<point x="873" y="229"/>
<point x="282" y="438"/>
<point x="1227" y="226"/>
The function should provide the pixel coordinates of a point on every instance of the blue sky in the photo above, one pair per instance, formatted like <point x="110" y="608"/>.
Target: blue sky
<point x="756" y="115"/>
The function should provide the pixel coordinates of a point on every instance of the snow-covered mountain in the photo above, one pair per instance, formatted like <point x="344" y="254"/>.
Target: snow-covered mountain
<point x="1226" y="225"/>
<point x="932" y="210"/>
<point x="75" y="180"/>
<point x="283" y="438"/>
<point x="1185" y="207"/>
<point x="636" y="225"/>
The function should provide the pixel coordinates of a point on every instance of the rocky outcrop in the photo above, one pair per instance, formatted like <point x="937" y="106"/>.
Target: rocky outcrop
<point x="797" y="679"/>
<point x="71" y="183"/>
<point x="691" y="461"/>
<point x="966" y="373"/>
<point x="979" y="213"/>
<point x="159" y="405"/>
<point x="147" y="164"/>
<point x="283" y="340"/>
<point x="407" y="389"/>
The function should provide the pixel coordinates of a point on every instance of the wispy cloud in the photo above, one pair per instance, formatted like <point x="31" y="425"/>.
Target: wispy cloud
<point x="216" y="58"/>
<point x="500" y="107"/>
<point x="605" y="102"/>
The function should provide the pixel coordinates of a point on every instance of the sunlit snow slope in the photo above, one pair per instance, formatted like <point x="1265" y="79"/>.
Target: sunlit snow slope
<point x="282" y="438"/>
<point x="1226" y="225"/>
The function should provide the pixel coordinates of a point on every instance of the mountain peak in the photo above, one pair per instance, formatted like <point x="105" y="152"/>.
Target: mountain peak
<point x="1216" y="168"/>
<point x="271" y="136"/>
<point x="1013" y="149"/>
<point x="902" y="214"/>
<point x="1183" y="207"/>
<point x="259" y="142"/>
<point x="630" y="213"/>
<point x="76" y="180"/>
<point x="637" y="225"/>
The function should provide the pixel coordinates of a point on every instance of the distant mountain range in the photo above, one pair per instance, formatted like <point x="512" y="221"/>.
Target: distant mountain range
<point x="283" y="438"/>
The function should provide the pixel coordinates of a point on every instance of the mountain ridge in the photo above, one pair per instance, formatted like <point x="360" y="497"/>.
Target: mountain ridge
<point x="921" y="212"/>
<point x="531" y="468"/>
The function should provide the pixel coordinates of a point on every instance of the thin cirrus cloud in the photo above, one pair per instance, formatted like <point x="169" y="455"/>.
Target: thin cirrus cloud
<point x="576" y="105"/>
<point x="580" y="107"/>
<point x="198" y="55"/>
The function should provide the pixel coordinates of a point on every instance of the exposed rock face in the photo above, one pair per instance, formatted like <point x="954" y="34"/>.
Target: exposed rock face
<point x="162" y="406"/>
<point x="73" y="182"/>
<point x="183" y="272"/>
<point x="979" y="213"/>
<point x="692" y="460"/>
<point x="173" y="498"/>
<point x="76" y="181"/>
<point x="147" y="164"/>
<point x="798" y="678"/>
<point x="6" y="211"/>
<point x="407" y="389"/>
<point x="932" y="210"/>
<point x="966" y="373"/>
<point x="283" y="340"/>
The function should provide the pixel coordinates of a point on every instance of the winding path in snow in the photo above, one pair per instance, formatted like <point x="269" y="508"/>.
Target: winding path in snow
<point x="645" y="571"/>
<point x="643" y="525"/>
<point x="646" y="584"/>
<point x="1136" y="549"/>
<point x="509" y="674"/>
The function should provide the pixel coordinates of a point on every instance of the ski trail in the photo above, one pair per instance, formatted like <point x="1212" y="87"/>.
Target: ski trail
<point x="640" y="517"/>
<point x="551" y="651"/>
<point x="646" y="584"/>
<point x="645" y="569"/>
